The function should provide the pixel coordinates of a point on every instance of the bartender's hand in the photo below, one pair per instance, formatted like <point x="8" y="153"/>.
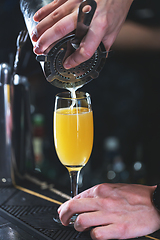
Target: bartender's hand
<point x="116" y="211"/>
<point x="59" y="18"/>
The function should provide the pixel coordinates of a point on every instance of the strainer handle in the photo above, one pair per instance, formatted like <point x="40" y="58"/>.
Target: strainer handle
<point x="83" y="21"/>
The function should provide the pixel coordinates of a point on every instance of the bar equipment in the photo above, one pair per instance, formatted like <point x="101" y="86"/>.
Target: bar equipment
<point x="5" y="124"/>
<point x="22" y="129"/>
<point x="52" y="61"/>
<point x="15" y="125"/>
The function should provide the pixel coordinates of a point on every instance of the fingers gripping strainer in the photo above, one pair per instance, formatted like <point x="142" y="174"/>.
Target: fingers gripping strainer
<point x="54" y="71"/>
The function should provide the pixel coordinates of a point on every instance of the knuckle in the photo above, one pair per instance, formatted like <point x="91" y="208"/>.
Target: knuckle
<point x="100" y="189"/>
<point x="52" y="4"/>
<point x="86" y="53"/>
<point x="80" y="224"/>
<point x="122" y="229"/>
<point x="54" y="15"/>
<point x="79" y="220"/>
<point x="75" y="62"/>
<point x="60" y="30"/>
<point x="106" y="204"/>
<point x="103" y="202"/>
<point x="103" y="23"/>
<point x="96" y="234"/>
<point x="69" y="206"/>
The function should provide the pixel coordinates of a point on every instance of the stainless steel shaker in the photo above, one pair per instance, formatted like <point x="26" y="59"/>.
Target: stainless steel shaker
<point x="22" y="146"/>
<point x="5" y="124"/>
<point x="29" y="8"/>
<point x="16" y="148"/>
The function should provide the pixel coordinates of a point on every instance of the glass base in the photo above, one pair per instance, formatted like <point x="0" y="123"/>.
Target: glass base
<point x="72" y="220"/>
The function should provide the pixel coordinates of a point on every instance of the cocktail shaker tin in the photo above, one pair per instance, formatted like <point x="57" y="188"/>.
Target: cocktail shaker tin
<point x="5" y="124"/>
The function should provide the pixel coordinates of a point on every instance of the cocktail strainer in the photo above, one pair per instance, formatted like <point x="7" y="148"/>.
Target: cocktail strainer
<point x="54" y="71"/>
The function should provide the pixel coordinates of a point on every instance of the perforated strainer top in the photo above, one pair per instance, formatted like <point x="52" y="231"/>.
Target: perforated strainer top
<point x="54" y="71"/>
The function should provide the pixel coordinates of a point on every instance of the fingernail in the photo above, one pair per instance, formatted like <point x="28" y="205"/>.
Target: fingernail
<point x="58" y="210"/>
<point x="37" y="51"/>
<point x="37" y="48"/>
<point x="34" y="34"/>
<point x="35" y="16"/>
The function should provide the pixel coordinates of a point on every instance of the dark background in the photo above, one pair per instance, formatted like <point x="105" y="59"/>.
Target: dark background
<point x="125" y="99"/>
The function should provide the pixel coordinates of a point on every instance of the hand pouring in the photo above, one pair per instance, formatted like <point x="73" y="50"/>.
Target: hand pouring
<point x="52" y="62"/>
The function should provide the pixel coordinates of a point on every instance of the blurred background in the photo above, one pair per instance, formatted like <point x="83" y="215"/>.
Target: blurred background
<point x="125" y="99"/>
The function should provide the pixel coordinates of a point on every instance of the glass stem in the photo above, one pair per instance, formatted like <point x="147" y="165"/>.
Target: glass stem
<point x="74" y="177"/>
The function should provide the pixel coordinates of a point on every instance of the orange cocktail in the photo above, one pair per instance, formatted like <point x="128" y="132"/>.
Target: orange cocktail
<point x="73" y="136"/>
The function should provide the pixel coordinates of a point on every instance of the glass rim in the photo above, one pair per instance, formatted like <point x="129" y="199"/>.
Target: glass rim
<point x="68" y="95"/>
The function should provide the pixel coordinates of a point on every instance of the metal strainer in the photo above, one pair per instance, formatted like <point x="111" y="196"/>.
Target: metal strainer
<point x="54" y="71"/>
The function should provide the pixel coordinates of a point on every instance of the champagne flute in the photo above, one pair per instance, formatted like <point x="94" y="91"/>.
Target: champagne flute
<point x="73" y="134"/>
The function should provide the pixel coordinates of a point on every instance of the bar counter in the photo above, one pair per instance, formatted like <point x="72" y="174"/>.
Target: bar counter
<point x="26" y="214"/>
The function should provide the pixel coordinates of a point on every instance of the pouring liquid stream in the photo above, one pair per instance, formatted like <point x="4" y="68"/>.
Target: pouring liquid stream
<point x="73" y="96"/>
